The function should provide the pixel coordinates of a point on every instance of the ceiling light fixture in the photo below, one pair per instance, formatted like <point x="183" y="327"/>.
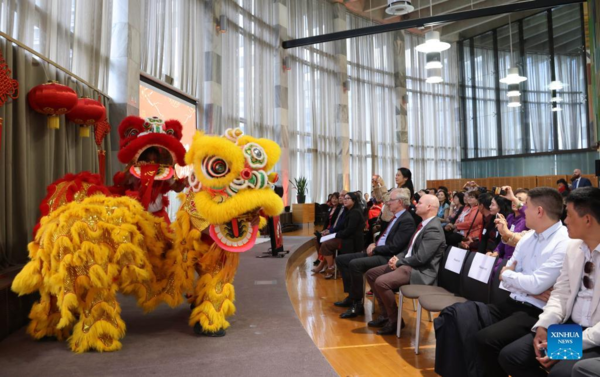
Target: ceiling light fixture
<point x="434" y="76"/>
<point x="514" y="101"/>
<point x="513" y="78"/>
<point x="556" y="85"/>
<point x="434" y="60"/>
<point x="556" y="107"/>
<point x="432" y="43"/>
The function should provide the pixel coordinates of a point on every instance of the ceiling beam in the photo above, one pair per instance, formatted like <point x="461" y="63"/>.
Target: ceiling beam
<point x="489" y="24"/>
<point x="452" y="31"/>
<point x="436" y="20"/>
<point x="533" y="28"/>
<point x="371" y="5"/>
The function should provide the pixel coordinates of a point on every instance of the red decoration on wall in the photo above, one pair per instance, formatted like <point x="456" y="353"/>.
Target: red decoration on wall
<point x="87" y="113"/>
<point x="52" y="99"/>
<point x="101" y="129"/>
<point x="9" y="88"/>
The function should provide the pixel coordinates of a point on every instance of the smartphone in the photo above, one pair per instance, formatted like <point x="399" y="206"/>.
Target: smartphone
<point x="543" y="352"/>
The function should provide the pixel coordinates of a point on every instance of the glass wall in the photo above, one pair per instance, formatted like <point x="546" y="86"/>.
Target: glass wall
<point x="548" y="49"/>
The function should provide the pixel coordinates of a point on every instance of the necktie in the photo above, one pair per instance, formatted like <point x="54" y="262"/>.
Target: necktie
<point x="414" y="235"/>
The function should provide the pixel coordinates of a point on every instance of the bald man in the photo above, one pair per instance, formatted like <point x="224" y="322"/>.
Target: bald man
<point x="418" y="264"/>
<point x="577" y="181"/>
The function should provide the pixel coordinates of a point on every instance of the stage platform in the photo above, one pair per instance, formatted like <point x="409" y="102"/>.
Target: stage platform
<point x="266" y="337"/>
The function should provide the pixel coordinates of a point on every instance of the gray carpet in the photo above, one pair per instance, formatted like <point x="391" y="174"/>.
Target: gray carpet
<point x="265" y="339"/>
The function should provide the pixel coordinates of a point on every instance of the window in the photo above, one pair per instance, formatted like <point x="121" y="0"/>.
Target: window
<point x="547" y="48"/>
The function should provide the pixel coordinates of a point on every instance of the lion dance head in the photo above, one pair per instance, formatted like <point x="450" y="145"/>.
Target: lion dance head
<point x="232" y="185"/>
<point x="150" y="148"/>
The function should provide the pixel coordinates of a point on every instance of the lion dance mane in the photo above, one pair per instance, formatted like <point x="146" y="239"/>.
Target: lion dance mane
<point x="94" y="241"/>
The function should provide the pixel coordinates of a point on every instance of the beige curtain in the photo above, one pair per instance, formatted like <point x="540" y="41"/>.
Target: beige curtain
<point x="173" y="39"/>
<point x="249" y="58"/>
<point x="76" y="35"/>
<point x="433" y="121"/>
<point x="314" y="96"/>
<point x="372" y="101"/>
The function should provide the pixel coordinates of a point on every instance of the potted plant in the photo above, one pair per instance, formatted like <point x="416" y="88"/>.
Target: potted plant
<point x="299" y="185"/>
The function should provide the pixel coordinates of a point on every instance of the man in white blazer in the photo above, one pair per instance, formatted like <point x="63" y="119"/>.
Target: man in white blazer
<point x="575" y="298"/>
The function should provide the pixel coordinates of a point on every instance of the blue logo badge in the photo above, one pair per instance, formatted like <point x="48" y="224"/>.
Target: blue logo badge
<point x="565" y="342"/>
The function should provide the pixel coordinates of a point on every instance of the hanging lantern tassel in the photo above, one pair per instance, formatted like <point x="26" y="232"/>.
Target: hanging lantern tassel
<point x="101" y="129"/>
<point x="102" y="164"/>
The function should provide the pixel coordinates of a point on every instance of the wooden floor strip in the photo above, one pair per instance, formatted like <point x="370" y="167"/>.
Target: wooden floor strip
<point x="350" y="346"/>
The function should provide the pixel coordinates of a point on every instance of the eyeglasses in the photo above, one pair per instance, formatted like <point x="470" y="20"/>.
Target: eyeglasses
<point x="347" y="198"/>
<point x="392" y="200"/>
<point x="587" y="281"/>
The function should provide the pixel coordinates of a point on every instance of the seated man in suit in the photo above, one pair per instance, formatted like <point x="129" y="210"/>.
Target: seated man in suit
<point x="528" y="275"/>
<point x="417" y="264"/>
<point x="393" y="240"/>
<point x="577" y="181"/>
<point x="575" y="298"/>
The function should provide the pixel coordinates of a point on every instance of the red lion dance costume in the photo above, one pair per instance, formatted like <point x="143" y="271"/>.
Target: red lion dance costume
<point x="94" y="241"/>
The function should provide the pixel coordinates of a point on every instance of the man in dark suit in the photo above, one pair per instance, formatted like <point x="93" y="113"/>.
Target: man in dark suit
<point x="417" y="264"/>
<point x="393" y="239"/>
<point x="577" y="181"/>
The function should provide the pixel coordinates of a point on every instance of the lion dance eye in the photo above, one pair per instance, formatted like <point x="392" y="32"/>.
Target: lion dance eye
<point x="255" y="155"/>
<point x="215" y="167"/>
<point x="131" y="132"/>
<point x="170" y="132"/>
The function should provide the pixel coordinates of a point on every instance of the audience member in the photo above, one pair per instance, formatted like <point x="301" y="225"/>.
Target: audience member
<point x="578" y="181"/>
<point x="394" y="239"/>
<point x="563" y="187"/>
<point x="405" y="180"/>
<point x="339" y="221"/>
<point x="574" y="299"/>
<point x="458" y="203"/>
<point x="444" y="211"/>
<point x="489" y="238"/>
<point x="515" y="222"/>
<point x="470" y="186"/>
<point x="374" y="212"/>
<point x="468" y="224"/>
<point x="330" y="222"/>
<point x="349" y="238"/>
<point x="418" y="264"/>
<point x="381" y="193"/>
<point x="528" y="275"/>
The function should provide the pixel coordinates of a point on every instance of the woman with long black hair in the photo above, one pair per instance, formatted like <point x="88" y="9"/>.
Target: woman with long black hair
<point x="350" y="238"/>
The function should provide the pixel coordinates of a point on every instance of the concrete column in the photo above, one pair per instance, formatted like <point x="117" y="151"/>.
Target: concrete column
<point x="125" y="63"/>
<point x="213" y="99"/>
<point x="281" y="24"/>
<point x="342" y="123"/>
<point x="401" y="140"/>
<point x="594" y="46"/>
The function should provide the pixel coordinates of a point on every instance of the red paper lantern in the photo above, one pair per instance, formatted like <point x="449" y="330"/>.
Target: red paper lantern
<point x="87" y="113"/>
<point x="52" y="99"/>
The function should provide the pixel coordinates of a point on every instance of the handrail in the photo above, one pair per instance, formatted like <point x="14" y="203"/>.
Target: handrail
<point x="33" y="52"/>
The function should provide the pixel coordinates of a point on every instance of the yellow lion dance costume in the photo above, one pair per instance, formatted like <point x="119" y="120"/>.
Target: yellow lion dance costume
<point x="89" y="249"/>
